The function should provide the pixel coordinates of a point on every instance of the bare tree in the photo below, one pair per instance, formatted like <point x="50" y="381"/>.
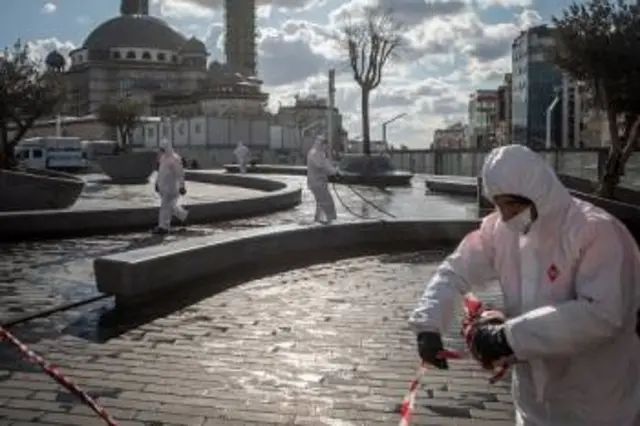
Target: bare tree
<point x="371" y="42"/>
<point x="27" y="94"/>
<point x="597" y="43"/>
<point x="122" y="114"/>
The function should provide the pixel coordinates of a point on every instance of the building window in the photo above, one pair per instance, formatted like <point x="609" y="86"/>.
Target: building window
<point x="162" y="57"/>
<point x="174" y="59"/>
<point x="146" y="56"/>
<point x="150" y="132"/>
<point x="131" y="54"/>
<point x="181" y="129"/>
<point x="197" y="128"/>
<point x="116" y="55"/>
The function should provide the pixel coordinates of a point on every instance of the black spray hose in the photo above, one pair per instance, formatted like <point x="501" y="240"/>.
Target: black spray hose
<point x="371" y="203"/>
<point x="347" y="208"/>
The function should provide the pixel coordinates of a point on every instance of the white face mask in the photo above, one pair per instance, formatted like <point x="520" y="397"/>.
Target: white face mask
<point x="521" y="222"/>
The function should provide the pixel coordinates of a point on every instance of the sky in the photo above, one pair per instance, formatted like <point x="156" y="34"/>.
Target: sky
<point x="452" y="47"/>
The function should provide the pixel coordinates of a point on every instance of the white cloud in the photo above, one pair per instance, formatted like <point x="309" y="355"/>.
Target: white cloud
<point x="38" y="49"/>
<point x="181" y="9"/>
<point x="184" y="9"/>
<point x="49" y="8"/>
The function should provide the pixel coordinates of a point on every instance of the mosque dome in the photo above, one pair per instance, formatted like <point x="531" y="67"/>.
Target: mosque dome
<point x="136" y="31"/>
<point x="55" y="60"/>
<point x="194" y="46"/>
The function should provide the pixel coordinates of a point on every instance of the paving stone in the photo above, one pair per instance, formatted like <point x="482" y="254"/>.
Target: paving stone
<point x="278" y="362"/>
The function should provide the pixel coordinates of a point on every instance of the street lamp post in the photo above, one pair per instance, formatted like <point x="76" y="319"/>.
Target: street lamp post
<point x="386" y="123"/>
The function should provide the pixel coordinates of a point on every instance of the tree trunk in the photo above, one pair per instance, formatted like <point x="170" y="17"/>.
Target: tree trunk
<point x="123" y="138"/>
<point x="618" y="156"/>
<point x="4" y="163"/>
<point x="611" y="175"/>
<point x="7" y="157"/>
<point x="366" y="139"/>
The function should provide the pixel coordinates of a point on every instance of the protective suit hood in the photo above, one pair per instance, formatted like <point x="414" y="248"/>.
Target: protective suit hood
<point x="319" y="143"/>
<point x="517" y="170"/>
<point x="166" y="145"/>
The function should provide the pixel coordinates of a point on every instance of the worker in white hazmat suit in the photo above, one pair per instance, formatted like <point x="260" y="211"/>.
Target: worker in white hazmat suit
<point x="243" y="155"/>
<point x="570" y="276"/>
<point x="170" y="186"/>
<point x="319" y="168"/>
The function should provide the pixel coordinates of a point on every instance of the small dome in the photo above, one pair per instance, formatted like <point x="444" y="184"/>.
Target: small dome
<point x="55" y="60"/>
<point x="194" y="46"/>
<point x="138" y="31"/>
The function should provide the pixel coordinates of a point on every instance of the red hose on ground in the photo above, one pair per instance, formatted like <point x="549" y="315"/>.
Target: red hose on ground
<point x="55" y="374"/>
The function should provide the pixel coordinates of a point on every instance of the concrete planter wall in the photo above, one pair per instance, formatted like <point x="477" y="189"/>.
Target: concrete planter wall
<point x="129" y="167"/>
<point x="38" y="190"/>
<point x="359" y="163"/>
<point x="375" y="170"/>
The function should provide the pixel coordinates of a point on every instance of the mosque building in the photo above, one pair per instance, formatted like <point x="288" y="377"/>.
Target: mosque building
<point x="205" y="106"/>
<point x="141" y="56"/>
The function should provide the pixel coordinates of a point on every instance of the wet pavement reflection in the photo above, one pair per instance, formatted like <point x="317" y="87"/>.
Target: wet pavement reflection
<point x="35" y="276"/>
<point x="100" y="193"/>
<point x="323" y="345"/>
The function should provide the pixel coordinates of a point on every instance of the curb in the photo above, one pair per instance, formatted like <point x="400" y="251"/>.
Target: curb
<point x="139" y="276"/>
<point x="42" y="224"/>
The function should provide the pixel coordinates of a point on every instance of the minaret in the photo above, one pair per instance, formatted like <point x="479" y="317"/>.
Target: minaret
<point x="240" y="36"/>
<point x="134" y="7"/>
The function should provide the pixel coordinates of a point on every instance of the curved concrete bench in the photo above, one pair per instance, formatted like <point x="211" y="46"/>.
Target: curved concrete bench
<point x="140" y="276"/>
<point x="269" y="169"/>
<point x="386" y="179"/>
<point x="458" y="185"/>
<point x="33" y="190"/>
<point x="65" y="223"/>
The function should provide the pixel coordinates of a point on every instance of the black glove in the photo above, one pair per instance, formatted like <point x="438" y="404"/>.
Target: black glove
<point x="490" y="344"/>
<point x="183" y="190"/>
<point x="429" y="348"/>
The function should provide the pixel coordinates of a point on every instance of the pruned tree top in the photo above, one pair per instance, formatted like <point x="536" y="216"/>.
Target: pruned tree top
<point x="371" y="39"/>
<point x="122" y="113"/>
<point x="119" y="112"/>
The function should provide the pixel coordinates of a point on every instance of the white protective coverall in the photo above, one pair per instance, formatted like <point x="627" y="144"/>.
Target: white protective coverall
<point x="571" y="293"/>
<point x="243" y="155"/>
<point x="319" y="168"/>
<point x="169" y="181"/>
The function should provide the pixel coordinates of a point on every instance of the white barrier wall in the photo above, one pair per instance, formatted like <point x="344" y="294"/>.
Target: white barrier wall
<point x="211" y="140"/>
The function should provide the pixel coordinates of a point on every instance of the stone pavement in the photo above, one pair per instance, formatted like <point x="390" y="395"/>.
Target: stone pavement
<point x="35" y="276"/>
<point x="99" y="193"/>
<point x="324" y="345"/>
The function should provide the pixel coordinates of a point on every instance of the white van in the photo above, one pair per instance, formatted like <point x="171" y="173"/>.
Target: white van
<point x="51" y="152"/>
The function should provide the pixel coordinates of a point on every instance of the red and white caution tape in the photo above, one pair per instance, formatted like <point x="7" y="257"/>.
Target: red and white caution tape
<point x="409" y="401"/>
<point x="474" y="309"/>
<point x="54" y="373"/>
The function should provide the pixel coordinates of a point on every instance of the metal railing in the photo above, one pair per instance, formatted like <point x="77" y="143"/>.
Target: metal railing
<point x="583" y="163"/>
